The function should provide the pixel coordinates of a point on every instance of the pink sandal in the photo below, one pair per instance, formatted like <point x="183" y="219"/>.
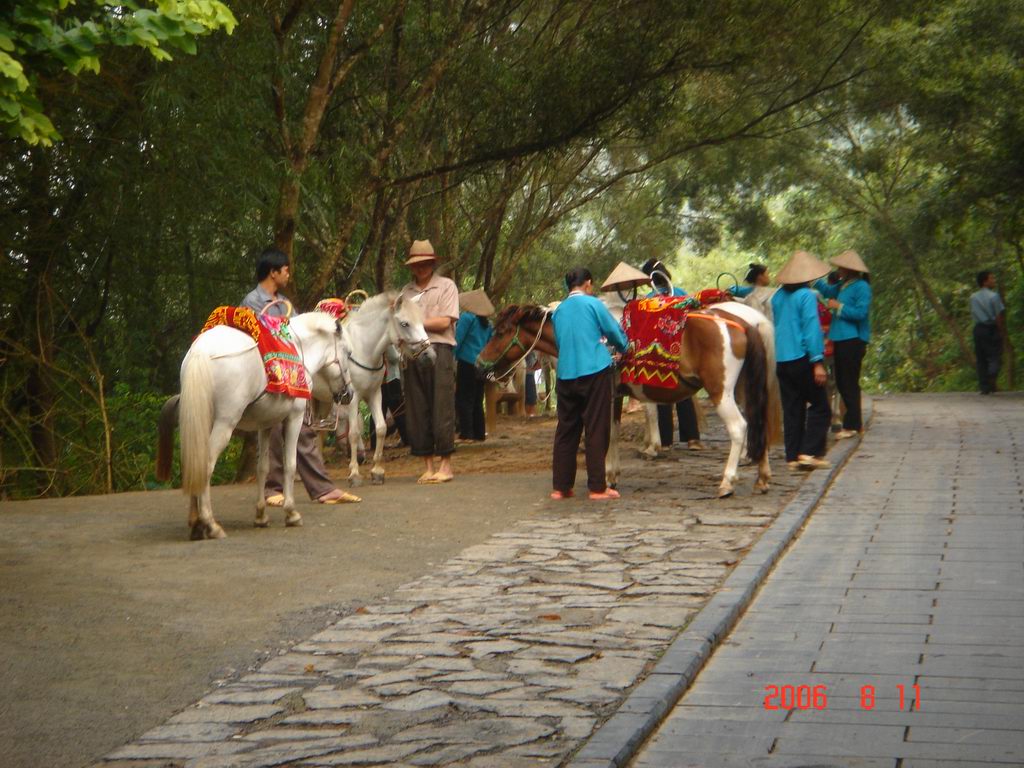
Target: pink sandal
<point x="559" y="495"/>
<point x="607" y="493"/>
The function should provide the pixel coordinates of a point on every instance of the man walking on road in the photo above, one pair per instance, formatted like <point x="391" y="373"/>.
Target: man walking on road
<point x="989" y="317"/>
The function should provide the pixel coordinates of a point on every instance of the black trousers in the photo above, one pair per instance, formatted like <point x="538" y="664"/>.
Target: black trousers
<point x="430" y="404"/>
<point x="849" y="355"/>
<point x="988" y="350"/>
<point x="583" y="402"/>
<point x="805" y="409"/>
<point x="687" y="414"/>
<point x="391" y="402"/>
<point x="469" y="402"/>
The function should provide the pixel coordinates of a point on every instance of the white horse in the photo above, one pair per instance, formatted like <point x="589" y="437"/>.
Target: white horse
<point x="385" y="319"/>
<point x="223" y="386"/>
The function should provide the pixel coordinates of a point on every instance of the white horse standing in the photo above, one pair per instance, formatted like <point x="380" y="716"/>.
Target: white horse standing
<point x="385" y="319"/>
<point x="223" y="386"/>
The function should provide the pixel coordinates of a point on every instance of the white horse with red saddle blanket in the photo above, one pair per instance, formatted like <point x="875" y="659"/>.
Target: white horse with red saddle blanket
<point x="224" y="387"/>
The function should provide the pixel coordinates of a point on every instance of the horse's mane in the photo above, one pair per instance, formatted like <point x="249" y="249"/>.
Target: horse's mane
<point x="514" y="314"/>
<point x="320" y="321"/>
<point x="371" y="306"/>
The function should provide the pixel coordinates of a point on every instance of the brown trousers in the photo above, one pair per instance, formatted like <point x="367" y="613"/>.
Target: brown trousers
<point x="430" y="404"/>
<point x="585" y="402"/>
<point x="309" y="463"/>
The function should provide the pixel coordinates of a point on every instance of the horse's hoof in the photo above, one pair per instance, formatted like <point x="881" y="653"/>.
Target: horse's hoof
<point x="377" y="479"/>
<point x="216" y="532"/>
<point x="261" y="522"/>
<point x="761" y="487"/>
<point x="293" y="520"/>
<point x="355" y="481"/>
<point x="196" y="533"/>
<point x="724" y="493"/>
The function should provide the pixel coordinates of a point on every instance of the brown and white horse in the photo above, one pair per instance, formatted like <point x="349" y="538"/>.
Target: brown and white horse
<point x="722" y="347"/>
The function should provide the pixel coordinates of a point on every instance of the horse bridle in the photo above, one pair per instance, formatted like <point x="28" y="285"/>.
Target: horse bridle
<point x="337" y="396"/>
<point x="487" y="365"/>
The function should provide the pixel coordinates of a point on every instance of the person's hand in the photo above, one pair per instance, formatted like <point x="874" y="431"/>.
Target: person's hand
<point x="616" y="357"/>
<point x="820" y="376"/>
<point x="833" y="304"/>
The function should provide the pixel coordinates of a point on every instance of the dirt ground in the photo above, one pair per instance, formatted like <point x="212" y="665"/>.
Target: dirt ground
<point x="111" y="620"/>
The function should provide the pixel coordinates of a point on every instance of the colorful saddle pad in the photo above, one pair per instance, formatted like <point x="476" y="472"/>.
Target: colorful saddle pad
<point x="285" y="371"/>
<point x="654" y="327"/>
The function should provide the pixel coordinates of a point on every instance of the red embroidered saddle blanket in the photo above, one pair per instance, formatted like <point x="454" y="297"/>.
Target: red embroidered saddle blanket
<point x="285" y="371"/>
<point x="654" y="327"/>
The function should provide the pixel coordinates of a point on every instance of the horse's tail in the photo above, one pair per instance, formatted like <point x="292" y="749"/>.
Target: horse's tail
<point x="755" y="366"/>
<point x="773" y="414"/>
<point x="165" y="441"/>
<point x="196" y="421"/>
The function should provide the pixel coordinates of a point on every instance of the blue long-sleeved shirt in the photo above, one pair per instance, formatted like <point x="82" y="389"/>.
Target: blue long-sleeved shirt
<point x="580" y="322"/>
<point x="853" y="319"/>
<point x="471" y="336"/>
<point x="797" y="329"/>
<point x="742" y="291"/>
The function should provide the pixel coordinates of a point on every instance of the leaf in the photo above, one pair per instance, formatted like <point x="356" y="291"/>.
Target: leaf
<point x="550" y="617"/>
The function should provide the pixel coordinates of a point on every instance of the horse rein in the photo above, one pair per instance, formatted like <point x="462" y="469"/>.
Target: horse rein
<point x="489" y="364"/>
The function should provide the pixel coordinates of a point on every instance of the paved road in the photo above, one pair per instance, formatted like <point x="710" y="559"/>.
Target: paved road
<point x="910" y="573"/>
<point x="509" y="653"/>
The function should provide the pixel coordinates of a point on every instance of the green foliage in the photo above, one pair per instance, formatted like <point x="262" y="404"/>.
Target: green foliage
<point x="41" y="40"/>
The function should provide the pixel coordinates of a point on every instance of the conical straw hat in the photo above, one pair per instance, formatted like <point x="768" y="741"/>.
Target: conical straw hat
<point x="802" y="267"/>
<point x="476" y="302"/>
<point x="850" y="260"/>
<point x="624" y="276"/>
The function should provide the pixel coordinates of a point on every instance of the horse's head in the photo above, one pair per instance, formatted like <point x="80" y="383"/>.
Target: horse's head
<point x="406" y="331"/>
<point x="518" y="330"/>
<point x="325" y="354"/>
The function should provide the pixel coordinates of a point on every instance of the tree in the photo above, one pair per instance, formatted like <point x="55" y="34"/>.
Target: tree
<point x="44" y="41"/>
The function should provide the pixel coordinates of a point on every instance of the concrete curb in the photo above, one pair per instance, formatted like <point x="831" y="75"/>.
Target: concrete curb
<point x="619" y="739"/>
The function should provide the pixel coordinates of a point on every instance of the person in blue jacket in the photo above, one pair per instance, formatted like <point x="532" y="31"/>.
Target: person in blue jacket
<point x="585" y="383"/>
<point x="799" y="355"/>
<point x="686" y="411"/>
<point x="849" y="300"/>
<point x="472" y="332"/>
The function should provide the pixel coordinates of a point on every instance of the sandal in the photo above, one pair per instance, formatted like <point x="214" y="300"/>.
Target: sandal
<point x="345" y="498"/>
<point x="437" y="478"/>
<point x="277" y="500"/>
<point x="607" y="493"/>
<point x="559" y="495"/>
<point x="425" y="478"/>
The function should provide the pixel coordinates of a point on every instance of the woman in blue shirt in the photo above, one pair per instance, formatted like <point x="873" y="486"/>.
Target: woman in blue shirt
<point x="686" y="411"/>
<point x="799" y="352"/>
<point x="584" y="387"/>
<point x="849" y="299"/>
<point x="472" y="332"/>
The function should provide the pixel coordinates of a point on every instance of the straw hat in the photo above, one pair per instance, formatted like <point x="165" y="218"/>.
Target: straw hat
<point x="802" y="267"/>
<point x="420" y="251"/>
<point x="624" y="276"/>
<point x="850" y="260"/>
<point x="476" y="302"/>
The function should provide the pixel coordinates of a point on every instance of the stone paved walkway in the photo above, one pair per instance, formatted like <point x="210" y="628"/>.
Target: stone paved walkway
<point x="910" y="573"/>
<point x="507" y="655"/>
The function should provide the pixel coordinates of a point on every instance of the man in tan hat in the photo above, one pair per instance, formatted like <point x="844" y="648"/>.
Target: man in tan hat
<point x="472" y="333"/>
<point x="430" y="390"/>
<point x="799" y="355"/>
<point x="849" y="300"/>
